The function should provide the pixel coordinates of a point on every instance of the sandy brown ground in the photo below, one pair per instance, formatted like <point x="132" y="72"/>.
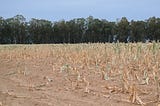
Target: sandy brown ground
<point x="43" y="82"/>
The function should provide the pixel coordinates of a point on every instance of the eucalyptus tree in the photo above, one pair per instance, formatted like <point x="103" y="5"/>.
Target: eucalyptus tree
<point x="60" y="29"/>
<point x="81" y="27"/>
<point x="157" y="33"/>
<point x="20" y="22"/>
<point x="13" y="29"/>
<point x="40" y="30"/>
<point x="138" y="30"/>
<point x="2" y="22"/>
<point x="123" y="29"/>
<point x="153" y="28"/>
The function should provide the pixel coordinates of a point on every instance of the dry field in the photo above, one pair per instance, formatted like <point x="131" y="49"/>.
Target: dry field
<point x="80" y="75"/>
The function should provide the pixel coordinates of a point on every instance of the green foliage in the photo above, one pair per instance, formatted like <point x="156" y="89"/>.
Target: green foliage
<point x="17" y="30"/>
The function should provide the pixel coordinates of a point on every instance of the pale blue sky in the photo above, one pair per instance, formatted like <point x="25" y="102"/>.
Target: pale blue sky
<point x="55" y="10"/>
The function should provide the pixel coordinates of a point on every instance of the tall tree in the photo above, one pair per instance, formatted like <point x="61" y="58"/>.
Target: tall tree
<point x="40" y="30"/>
<point x="123" y="29"/>
<point x="153" y="28"/>
<point x="138" y="30"/>
<point x="2" y="22"/>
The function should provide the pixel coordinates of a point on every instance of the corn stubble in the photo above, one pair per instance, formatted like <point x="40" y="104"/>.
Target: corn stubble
<point x="130" y="66"/>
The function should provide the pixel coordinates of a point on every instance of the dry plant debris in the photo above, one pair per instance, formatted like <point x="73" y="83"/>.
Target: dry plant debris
<point x="97" y="70"/>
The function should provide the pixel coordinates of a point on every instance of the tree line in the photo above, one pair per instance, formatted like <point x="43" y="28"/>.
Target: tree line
<point x="17" y="30"/>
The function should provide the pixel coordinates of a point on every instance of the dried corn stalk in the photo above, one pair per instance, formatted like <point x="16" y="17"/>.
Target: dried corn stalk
<point x="134" y="98"/>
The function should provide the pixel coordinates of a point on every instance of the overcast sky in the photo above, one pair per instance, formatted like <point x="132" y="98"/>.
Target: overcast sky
<point x="55" y="10"/>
